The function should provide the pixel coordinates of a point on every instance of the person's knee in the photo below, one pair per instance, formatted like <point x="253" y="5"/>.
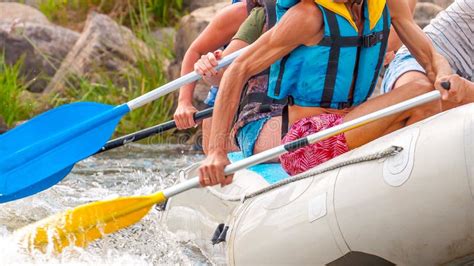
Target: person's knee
<point x="422" y="85"/>
<point x="426" y="110"/>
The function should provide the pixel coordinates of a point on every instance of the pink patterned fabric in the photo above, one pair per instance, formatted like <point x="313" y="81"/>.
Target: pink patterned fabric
<point x="305" y="158"/>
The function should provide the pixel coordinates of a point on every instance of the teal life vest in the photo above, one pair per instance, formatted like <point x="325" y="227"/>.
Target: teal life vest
<point x="323" y="75"/>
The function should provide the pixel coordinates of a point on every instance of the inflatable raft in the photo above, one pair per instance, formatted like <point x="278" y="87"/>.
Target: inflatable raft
<point x="415" y="207"/>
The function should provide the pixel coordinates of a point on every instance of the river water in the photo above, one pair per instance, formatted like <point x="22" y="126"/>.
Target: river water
<point x="132" y="170"/>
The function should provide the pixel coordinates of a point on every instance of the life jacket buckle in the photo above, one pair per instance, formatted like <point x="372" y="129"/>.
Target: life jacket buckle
<point x="370" y="40"/>
<point x="290" y="101"/>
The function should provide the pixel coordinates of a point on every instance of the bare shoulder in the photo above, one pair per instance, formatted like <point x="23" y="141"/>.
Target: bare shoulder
<point x="231" y="15"/>
<point x="400" y="8"/>
<point x="304" y="21"/>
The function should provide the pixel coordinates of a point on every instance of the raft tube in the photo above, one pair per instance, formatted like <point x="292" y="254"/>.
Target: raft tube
<point x="413" y="208"/>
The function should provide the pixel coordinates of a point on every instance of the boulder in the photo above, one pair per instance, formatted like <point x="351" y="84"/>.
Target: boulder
<point x="42" y="47"/>
<point x="165" y="35"/>
<point x="103" y="47"/>
<point x="425" y="12"/>
<point x="15" y="13"/>
<point x="190" y="28"/>
<point x="192" y="25"/>
<point x="192" y="5"/>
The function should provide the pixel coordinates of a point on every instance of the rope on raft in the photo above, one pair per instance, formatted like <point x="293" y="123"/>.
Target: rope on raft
<point x="391" y="151"/>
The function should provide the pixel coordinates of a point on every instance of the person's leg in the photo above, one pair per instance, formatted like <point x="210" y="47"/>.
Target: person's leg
<point x="376" y="129"/>
<point x="206" y="132"/>
<point x="269" y="137"/>
<point x="415" y="75"/>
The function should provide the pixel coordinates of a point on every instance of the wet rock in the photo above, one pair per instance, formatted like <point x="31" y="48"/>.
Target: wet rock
<point x="42" y="47"/>
<point x="192" y="5"/>
<point x="15" y="12"/>
<point x="104" y="46"/>
<point x="190" y="28"/>
<point x="425" y="12"/>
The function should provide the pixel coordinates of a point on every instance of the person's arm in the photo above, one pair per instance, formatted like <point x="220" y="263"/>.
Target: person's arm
<point x="301" y="25"/>
<point x="218" y="33"/>
<point x="420" y="46"/>
<point x="250" y="30"/>
<point x="394" y="42"/>
<point x="206" y="65"/>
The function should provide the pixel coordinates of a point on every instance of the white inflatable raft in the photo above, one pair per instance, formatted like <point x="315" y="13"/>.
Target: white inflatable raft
<point x="413" y="208"/>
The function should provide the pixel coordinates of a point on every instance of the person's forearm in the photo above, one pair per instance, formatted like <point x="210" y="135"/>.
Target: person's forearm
<point x="469" y="96"/>
<point x="422" y="49"/>
<point x="440" y="65"/>
<point x="186" y="92"/>
<point x="226" y="106"/>
<point x="416" y="41"/>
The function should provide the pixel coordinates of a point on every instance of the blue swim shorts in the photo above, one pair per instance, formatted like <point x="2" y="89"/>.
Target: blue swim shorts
<point x="402" y="63"/>
<point x="248" y="135"/>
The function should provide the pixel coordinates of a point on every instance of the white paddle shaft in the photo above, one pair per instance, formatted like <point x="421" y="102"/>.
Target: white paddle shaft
<point x="277" y="151"/>
<point x="178" y="83"/>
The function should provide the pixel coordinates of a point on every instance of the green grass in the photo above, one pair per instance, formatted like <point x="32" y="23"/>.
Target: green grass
<point x="12" y="108"/>
<point x="72" y="13"/>
<point x="148" y="77"/>
<point x="145" y="75"/>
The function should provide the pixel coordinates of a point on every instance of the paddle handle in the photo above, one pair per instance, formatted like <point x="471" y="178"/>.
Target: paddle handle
<point x="446" y="85"/>
<point x="178" y="83"/>
<point x="151" y="131"/>
<point x="294" y="145"/>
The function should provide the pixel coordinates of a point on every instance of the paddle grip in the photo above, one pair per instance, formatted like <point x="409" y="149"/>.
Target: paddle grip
<point x="151" y="131"/>
<point x="446" y="85"/>
<point x="206" y="113"/>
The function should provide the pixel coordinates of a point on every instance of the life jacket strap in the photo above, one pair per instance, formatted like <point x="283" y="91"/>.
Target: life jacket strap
<point x="354" y="41"/>
<point x="260" y="97"/>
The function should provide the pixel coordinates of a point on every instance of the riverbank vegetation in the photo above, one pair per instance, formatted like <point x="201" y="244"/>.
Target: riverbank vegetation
<point x="143" y="17"/>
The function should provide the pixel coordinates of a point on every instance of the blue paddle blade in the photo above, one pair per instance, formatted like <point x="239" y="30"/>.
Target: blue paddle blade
<point x="41" y="152"/>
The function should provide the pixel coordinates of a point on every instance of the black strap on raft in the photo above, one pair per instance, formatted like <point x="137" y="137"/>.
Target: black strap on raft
<point x="219" y="234"/>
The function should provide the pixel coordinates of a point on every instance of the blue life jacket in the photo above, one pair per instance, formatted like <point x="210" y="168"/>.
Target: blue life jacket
<point x="324" y="74"/>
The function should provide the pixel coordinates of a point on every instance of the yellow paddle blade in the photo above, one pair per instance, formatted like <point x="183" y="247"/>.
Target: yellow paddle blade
<point x="86" y="223"/>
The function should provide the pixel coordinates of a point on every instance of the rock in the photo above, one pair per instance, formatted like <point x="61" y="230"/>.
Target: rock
<point x="192" y="5"/>
<point x="166" y="35"/>
<point x="16" y="13"/>
<point x="442" y="3"/>
<point x="43" y="47"/>
<point x="425" y="12"/>
<point x="3" y="125"/>
<point x="190" y="28"/>
<point x="192" y="25"/>
<point x="104" y="46"/>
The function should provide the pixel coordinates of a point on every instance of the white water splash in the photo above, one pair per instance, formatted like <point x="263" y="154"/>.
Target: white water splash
<point x="119" y="173"/>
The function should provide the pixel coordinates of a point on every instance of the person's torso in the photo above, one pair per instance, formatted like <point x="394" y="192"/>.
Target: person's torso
<point x="452" y="33"/>
<point x="341" y="71"/>
<point x="255" y="104"/>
